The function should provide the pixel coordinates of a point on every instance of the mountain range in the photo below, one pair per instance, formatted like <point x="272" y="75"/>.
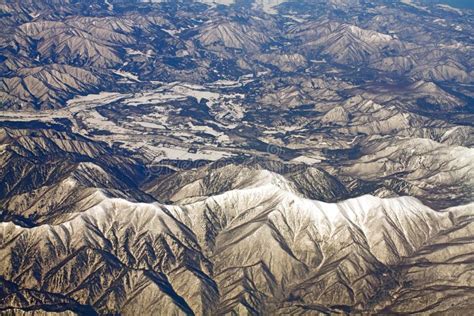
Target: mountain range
<point x="236" y="157"/>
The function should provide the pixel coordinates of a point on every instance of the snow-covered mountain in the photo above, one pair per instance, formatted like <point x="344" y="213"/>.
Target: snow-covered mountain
<point x="236" y="157"/>
<point x="256" y="249"/>
<point x="231" y="237"/>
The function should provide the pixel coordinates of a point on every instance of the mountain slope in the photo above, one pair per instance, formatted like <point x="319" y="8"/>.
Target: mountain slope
<point x="258" y="249"/>
<point x="254" y="157"/>
<point x="49" y="174"/>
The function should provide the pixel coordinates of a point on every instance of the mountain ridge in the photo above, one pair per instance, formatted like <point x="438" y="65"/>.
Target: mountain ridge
<point x="161" y="221"/>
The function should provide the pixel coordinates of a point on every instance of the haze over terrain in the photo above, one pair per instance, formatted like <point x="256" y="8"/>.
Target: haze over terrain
<point x="462" y="4"/>
<point x="247" y="157"/>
